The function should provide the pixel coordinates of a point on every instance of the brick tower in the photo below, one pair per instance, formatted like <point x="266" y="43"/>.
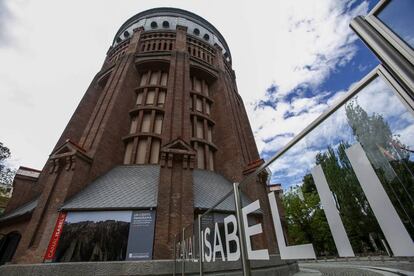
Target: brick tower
<point x="161" y="127"/>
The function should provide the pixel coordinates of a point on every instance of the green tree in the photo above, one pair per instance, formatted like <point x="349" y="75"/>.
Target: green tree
<point x="6" y="173"/>
<point x="306" y="221"/>
<point x="352" y="204"/>
<point x="389" y="157"/>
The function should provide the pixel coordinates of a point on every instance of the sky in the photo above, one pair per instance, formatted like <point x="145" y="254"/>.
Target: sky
<point x="292" y="59"/>
<point x="375" y="98"/>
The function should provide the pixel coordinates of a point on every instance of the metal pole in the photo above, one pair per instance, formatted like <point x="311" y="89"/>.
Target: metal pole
<point x="240" y="225"/>
<point x="200" y="246"/>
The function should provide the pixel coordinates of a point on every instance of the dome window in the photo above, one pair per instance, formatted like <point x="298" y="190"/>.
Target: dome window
<point x="118" y="39"/>
<point x="126" y="34"/>
<point x="154" y="24"/>
<point x="206" y="37"/>
<point x="166" y="24"/>
<point x="196" y="31"/>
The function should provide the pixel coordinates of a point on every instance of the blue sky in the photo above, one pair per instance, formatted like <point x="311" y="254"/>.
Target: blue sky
<point x="339" y="81"/>
<point x="375" y="98"/>
<point x="305" y="101"/>
<point x="292" y="60"/>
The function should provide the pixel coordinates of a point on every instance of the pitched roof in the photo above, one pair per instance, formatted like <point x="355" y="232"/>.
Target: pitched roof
<point x="132" y="186"/>
<point x="209" y="187"/>
<point x="22" y="210"/>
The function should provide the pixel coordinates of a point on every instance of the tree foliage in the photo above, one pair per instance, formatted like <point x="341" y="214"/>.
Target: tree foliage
<point x="305" y="218"/>
<point x="6" y="173"/>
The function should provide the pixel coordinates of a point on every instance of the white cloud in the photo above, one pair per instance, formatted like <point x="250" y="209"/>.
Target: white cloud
<point x="376" y="97"/>
<point x="60" y="46"/>
<point x="311" y="41"/>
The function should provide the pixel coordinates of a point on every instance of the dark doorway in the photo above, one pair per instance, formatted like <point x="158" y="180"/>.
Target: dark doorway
<point x="8" y="245"/>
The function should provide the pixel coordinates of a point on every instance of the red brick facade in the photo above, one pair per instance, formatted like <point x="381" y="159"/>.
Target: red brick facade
<point x="99" y="133"/>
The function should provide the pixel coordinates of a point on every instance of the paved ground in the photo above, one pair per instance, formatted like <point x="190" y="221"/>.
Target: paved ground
<point x="357" y="268"/>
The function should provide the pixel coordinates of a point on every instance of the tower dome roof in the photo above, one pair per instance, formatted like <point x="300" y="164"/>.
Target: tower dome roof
<point x="168" y="18"/>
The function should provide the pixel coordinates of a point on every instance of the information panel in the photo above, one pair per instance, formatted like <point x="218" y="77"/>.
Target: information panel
<point x="141" y="235"/>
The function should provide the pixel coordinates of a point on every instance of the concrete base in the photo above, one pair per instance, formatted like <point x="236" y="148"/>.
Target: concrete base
<point x="274" y="266"/>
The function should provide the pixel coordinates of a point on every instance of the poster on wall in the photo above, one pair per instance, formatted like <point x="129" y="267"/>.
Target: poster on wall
<point x="51" y="249"/>
<point x="94" y="236"/>
<point x="141" y="235"/>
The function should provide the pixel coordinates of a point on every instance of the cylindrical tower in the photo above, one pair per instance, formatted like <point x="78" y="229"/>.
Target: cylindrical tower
<point x="161" y="123"/>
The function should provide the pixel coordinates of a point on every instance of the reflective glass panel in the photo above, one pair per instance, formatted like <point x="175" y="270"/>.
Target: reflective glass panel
<point x="398" y="16"/>
<point x="374" y="125"/>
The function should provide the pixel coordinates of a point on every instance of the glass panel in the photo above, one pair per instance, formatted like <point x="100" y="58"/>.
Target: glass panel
<point x="398" y="16"/>
<point x="207" y="108"/>
<point x="220" y="234"/>
<point x="374" y="125"/>
<point x="260" y="237"/>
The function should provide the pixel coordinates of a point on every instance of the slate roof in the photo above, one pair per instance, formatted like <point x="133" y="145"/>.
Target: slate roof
<point x="22" y="210"/>
<point x="209" y="187"/>
<point x="123" y="187"/>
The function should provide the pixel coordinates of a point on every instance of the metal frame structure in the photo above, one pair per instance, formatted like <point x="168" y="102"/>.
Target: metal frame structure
<point x="396" y="71"/>
<point x="379" y="72"/>
<point x="389" y="35"/>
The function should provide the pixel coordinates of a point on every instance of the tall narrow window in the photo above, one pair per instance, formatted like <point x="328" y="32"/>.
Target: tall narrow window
<point x="146" y="122"/>
<point x="139" y="98"/>
<point x="158" y="123"/>
<point x="164" y="79"/>
<point x="199" y="104"/>
<point x="142" y="150"/>
<point x="154" y="78"/>
<point x="206" y="90"/>
<point x="161" y="97"/>
<point x="134" y="124"/>
<point x="207" y="108"/>
<point x="128" y="152"/>
<point x="197" y="85"/>
<point x="150" y="97"/>
<point x="210" y="134"/>
<point x="155" y="151"/>
<point x="211" y="160"/>
<point x="200" y="157"/>
<point x="144" y="78"/>
<point x="200" y="128"/>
